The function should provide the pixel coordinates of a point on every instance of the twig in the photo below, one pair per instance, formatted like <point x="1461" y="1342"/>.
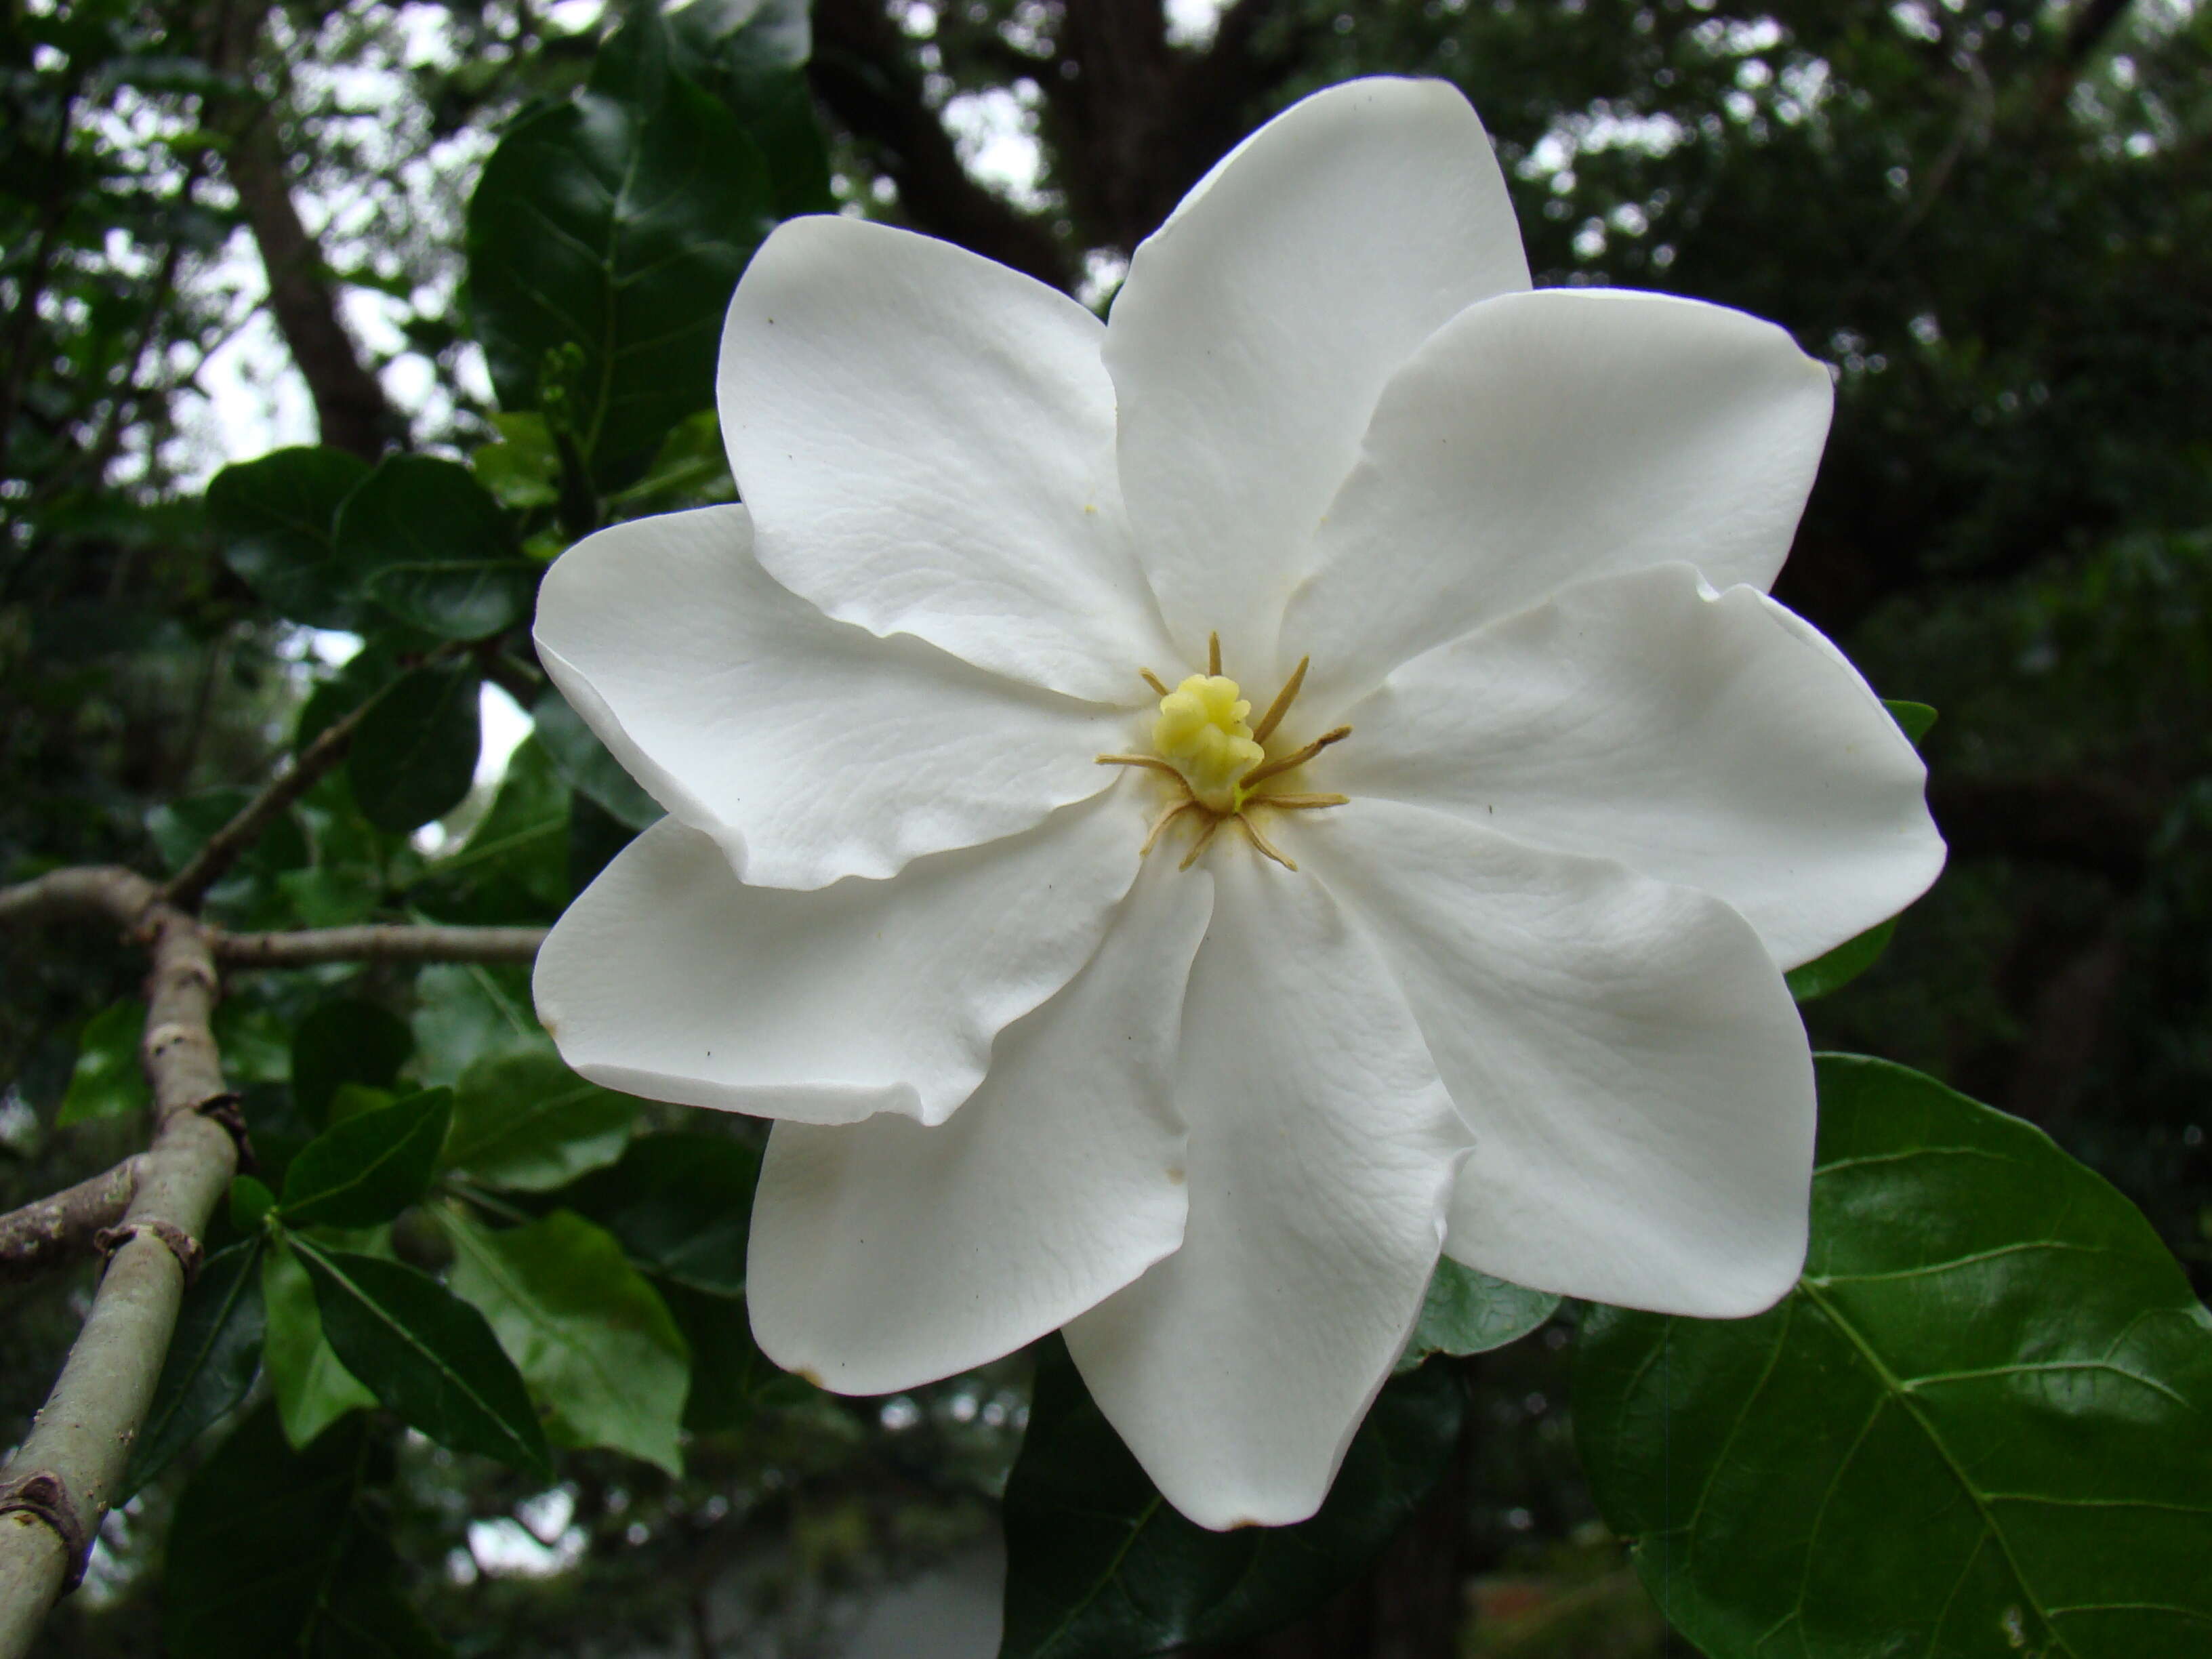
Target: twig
<point x="56" y="1231"/>
<point x="230" y="843"/>
<point x="54" y="1492"/>
<point x="377" y="942"/>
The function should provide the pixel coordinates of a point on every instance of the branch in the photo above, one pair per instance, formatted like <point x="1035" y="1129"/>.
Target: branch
<point x="54" y="1492"/>
<point x="377" y="942"/>
<point x="230" y="843"/>
<point x="55" y="1232"/>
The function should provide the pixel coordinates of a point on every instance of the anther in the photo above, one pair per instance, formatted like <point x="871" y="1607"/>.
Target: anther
<point x="1205" y="836"/>
<point x="1150" y="762"/>
<point x="1298" y="803"/>
<point x="1160" y="824"/>
<point x="1260" y="841"/>
<point x="1158" y="685"/>
<point x="1281" y="705"/>
<point x="1298" y="757"/>
<point x="1214" y="653"/>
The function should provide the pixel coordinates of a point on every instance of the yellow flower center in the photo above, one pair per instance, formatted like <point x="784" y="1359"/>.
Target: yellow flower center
<point x="1218" y="762"/>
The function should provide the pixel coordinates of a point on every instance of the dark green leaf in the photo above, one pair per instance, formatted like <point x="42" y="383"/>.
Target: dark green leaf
<point x="731" y="1380"/>
<point x="593" y="1341"/>
<point x="682" y="1204"/>
<point x="1840" y="966"/>
<point x="1913" y="719"/>
<point x="277" y="518"/>
<point x="1099" y="1567"/>
<point x="250" y="1201"/>
<point x="465" y="1011"/>
<point x="426" y="1354"/>
<point x="273" y="1552"/>
<point x="430" y="545"/>
<point x="414" y="754"/>
<point x="248" y="894"/>
<point x="312" y="1387"/>
<point x="212" y="1361"/>
<point x="614" y="226"/>
<point x="369" y="1167"/>
<point x="345" y="1041"/>
<point x="1977" y="1427"/>
<point x="514" y="866"/>
<point x="753" y="56"/>
<point x="526" y="1121"/>
<point x="106" y="1080"/>
<point x="583" y="760"/>
<point x="523" y="469"/>
<point x="1469" y="1312"/>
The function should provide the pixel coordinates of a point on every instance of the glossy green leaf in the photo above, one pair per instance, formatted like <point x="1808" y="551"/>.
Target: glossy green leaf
<point x="345" y="1041"/>
<point x="523" y="469"/>
<point x="752" y="55"/>
<point x="426" y="1354"/>
<point x="1469" y="1312"/>
<point x="1913" y="719"/>
<point x="249" y="1203"/>
<point x="276" y="519"/>
<point x="106" y="1080"/>
<point x="273" y="1552"/>
<point x="513" y="868"/>
<point x="1099" y="1567"/>
<point x="213" y="1359"/>
<point x="428" y="544"/>
<point x="1840" y="966"/>
<point x="526" y="1121"/>
<point x="682" y="1204"/>
<point x="1975" y="1430"/>
<point x="593" y="1341"/>
<point x="733" y="1381"/>
<point x="369" y="1167"/>
<point x="465" y="1011"/>
<point x="614" y="226"/>
<point x="583" y="760"/>
<point x="311" y="1385"/>
<point x="414" y="754"/>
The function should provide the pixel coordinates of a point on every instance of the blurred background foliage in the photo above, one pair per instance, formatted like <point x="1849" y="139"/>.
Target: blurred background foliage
<point x="227" y="226"/>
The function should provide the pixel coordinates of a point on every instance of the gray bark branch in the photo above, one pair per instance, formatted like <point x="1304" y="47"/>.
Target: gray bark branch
<point x="377" y="942"/>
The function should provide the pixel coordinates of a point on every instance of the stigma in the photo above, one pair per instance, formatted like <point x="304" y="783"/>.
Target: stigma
<point x="1204" y="739"/>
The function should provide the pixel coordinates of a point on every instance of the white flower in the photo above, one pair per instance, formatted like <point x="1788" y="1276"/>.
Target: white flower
<point x="1522" y="997"/>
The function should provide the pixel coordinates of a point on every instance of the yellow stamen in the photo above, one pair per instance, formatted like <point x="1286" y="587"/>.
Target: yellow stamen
<point x="1298" y="803"/>
<point x="1281" y="705"/>
<point x="1213" y="654"/>
<point x="1150" y="763"/>
<point x="1160" y="823"/>
<point x="1199" y="846"/>
<point x="1252" y="831"/>
<point x="1158" y="685"/>
<point x="1276" y="767"/>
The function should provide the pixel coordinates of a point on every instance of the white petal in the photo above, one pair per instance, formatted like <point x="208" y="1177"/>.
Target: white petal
<point x="925" y="441"/>
<point x="1712" y="739"/>
<point x="670" y="978"/>
<point x="810" y="748"/>
<point x="1258" y="325"/>
<point x="885" y="1255"/>
<point x="1539" y="439"/>
<point x="1625" y="1053"/>
<point x="1321" y="1154"/>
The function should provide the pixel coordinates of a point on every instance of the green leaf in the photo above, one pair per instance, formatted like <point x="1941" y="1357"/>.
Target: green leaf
<point x="1469" y="1312"/>
<point x="312" y="1387"/>
<point x="426" y="1354"/>
<point x="1913" y="719"/>
<point x="514" y="866"/>
<point x="733" y="1381"/>
<point x="367" y="1167"/>
<point x="213" y="1359"/>
<point x="1099" y="1567"/>
<point x="276" y="517"/>
<point x="593" y="1341"/>
<point x="682" y="1204"/>
<point x="615" y="227"/>
<point x="752" y="54"/>
<point x="106" y="1080"/>
<point x="523" y="470"/>
<point x="414" y="754"/>
<point x="250" y="1201"/>
<point x="584" y="761"/>
<point x="275" y="1552"/>
<point x="526" y="1121"/>
<point x="1840" y="966"/>
<point x="345" y="1041"/>
<point x="1977" y="1426"/>
<point x="430" y="546"/>
<point x="248" y="895"/>
<point x="465" y="1011"/>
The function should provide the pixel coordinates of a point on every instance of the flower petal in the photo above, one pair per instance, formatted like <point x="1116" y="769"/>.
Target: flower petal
<point x="1711" y="740"/>
<point x="810" y="748"/>
<point x="885" y="1255"/>
<point x="1322" y="1149"/>
<point x="1258" y="325"/>
<point x="1625" y="1051"/>
<point x="1539" y="439"/>
<point x="925" y="441"/>
<point x="670" y="978"/>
